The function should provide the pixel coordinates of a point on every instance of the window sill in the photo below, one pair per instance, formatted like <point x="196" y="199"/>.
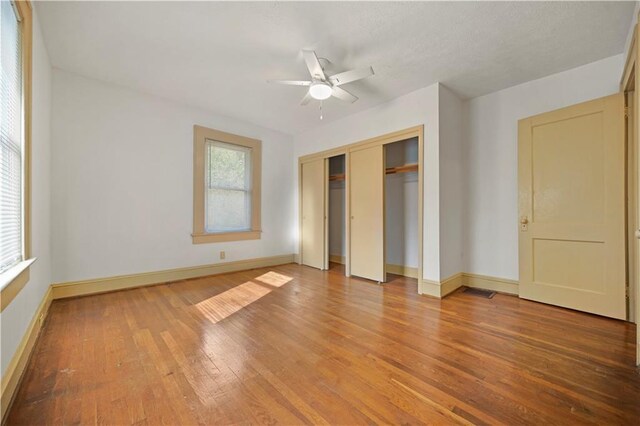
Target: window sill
<point x="225" y="237"/>
<point x="12" y="281"/>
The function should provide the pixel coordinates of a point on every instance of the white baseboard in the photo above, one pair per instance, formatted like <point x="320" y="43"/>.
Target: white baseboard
<point x="429" y="288"/>
<point x="103" y="285"/>
<point x="501" y="285"/>
<point x="405" y="271"/>
<point x="18" y="364"/>
<point x="449" y="285"/>
<point x="440" y="289"/>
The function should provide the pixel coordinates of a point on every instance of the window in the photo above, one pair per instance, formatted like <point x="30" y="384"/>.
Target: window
<point x="228" y="193"/>
<point x="226" y="186"/>
<point x="10" y="139"/>
<point x="15" y="134"/>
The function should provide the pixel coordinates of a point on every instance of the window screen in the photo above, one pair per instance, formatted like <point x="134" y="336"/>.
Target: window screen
<point x="10" y="138"/>
<point x="227" y="187"/>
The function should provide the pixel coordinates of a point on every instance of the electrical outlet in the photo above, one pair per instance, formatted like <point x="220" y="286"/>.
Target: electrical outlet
<point x="222" y="255"/>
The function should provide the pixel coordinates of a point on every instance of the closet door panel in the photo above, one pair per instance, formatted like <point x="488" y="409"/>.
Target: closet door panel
<point x="366" y="199"/>
<point x="313" y="213"/>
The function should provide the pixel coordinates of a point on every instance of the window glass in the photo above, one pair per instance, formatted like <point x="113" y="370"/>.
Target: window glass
<point x="227" y="187"/>
<point x="10" y="138"/>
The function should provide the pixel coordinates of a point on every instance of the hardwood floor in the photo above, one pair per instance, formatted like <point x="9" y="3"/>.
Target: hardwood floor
<point x="294" y="345"/>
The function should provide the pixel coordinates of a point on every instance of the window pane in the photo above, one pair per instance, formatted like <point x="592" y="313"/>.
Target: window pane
<point x="229" y="166"/>
<point x="10" y="138"/>
<point x="228" y="210"/>
<point x="227" y="187"/>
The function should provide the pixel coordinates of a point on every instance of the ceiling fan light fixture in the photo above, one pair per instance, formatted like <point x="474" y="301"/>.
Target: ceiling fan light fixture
<point x="320" y="91"/>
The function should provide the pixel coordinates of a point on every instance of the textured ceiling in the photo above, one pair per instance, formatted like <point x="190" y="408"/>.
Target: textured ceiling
<point x="219" y="55"/>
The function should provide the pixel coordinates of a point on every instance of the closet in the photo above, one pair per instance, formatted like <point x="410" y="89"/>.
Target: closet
<point x="360" y="205"/>
<point x="337" y="210"/>
<point x="401" y="208"/>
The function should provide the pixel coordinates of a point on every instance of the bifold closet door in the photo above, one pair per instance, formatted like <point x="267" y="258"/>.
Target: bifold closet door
<point x="366" y="203"/>
<point x="314" y="181"/>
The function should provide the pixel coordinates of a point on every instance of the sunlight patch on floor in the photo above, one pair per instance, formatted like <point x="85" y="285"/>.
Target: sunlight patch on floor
<point x="273" y="278"/>
<point x="223" y="305"/>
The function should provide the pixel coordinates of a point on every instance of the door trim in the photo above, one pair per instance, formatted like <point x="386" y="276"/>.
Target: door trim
<point x="631" y="74"/>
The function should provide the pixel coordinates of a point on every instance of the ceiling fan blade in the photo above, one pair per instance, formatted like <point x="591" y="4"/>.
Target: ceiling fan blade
<point x="343" y="95"/>
<point x="349" y="76"/>
<point x="307" y="98"/>
<point x="291" y="82"/>
<point x="315" y="69"/>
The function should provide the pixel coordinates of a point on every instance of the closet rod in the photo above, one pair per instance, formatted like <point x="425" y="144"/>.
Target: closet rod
<point x="413" y="167"/>
<point x="337" y="177"/>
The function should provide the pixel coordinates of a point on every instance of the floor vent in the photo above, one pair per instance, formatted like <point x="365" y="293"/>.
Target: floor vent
<point x="487" y="294"/>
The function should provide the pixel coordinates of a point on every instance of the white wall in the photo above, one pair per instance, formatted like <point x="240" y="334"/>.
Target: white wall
<point x="19" y="313"/>
<point x="632" y="26"/>
<point x="415" y="108"/>
<point x="452" y="199"/>
<point x="123" y="183"/>
<point x="491" y="162"/>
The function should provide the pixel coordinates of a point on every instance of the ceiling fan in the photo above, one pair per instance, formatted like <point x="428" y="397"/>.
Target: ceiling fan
<point x="321" y="86"/>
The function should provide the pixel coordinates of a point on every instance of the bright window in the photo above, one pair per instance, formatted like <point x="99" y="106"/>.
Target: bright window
<point x="11" y="138"/>
<point x="228" y="182"/>
<point x="15" y="143"/>
<point x="226" y="186"/>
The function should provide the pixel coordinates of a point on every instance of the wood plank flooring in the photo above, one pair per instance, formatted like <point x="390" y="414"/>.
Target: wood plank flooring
<point x="293" y="345"/>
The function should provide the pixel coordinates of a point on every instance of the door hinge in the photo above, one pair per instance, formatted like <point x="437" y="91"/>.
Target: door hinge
<point x="626" y="112"/>
<point x="626" y="293"/>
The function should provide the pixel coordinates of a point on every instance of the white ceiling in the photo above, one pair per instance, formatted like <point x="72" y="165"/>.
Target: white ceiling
<point x="219" y="55"/>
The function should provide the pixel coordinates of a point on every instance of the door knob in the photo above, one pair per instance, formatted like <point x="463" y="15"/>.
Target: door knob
<point x="524" y="220"/>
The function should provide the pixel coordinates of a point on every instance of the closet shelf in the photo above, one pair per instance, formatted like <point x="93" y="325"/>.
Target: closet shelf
<point x="405" y="168"/>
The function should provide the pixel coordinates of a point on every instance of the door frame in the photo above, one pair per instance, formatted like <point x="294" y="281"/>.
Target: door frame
<point x="630" y="75"/>
<point x="397" y="136"/>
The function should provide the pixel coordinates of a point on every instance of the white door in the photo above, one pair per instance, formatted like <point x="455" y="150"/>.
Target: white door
<point x="313" y="203"/>
<point x="366" y="203"/>
<point x="572" y="207"/>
